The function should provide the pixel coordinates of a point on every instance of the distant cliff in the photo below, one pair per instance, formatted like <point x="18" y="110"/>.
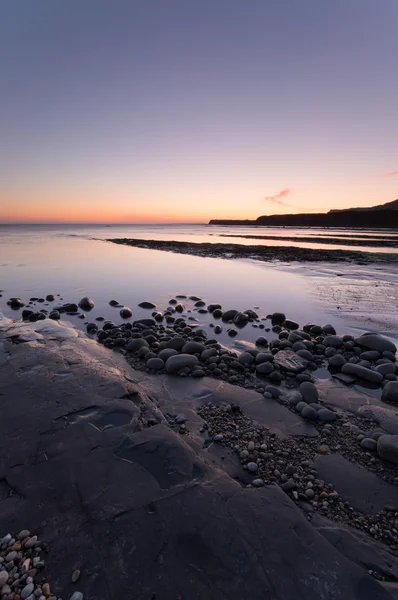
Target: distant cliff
<point x="385" y="215"/>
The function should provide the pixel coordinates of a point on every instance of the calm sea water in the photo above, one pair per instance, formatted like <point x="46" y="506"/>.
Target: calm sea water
<point x="74" y="261"/>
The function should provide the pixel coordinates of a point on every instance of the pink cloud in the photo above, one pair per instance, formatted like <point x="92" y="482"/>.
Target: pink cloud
<point x="392" y="174"/>
<point x="276" y="199"/>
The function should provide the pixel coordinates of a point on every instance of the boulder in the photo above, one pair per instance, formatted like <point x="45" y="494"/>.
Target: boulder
<point x="329" y="329"/>
<point x="155" y="363"/>
<point x="147" y="305"/>
<point x="337" y="361"/>
<point x="326" y="415"/>
<point x="229" y="315"/>
<point x="333" y="341"/>
<point x="277" y="318"/>
<point x="373" y="341"/>
<point x="240" y="319"/>
<point x="86" y="303"/>
<point x="308" y="392"/>
<point x="126" y="312"/>
<point x="166" y="353"/>
<point x="362" y="373"/>
<point x="136" y="344"/>
<point x="390" y="392"/>
<point x="386" y="368"/>
<point x="180" y="361"/>
<point x="387" y="448"/>
<point x="193" y="348"/>
<point x="246" y="358"/>
<point x="264" y="368"/>
<point x="264" y="357"/>
<point x="176" y="343"/>
<point x="290" y="361"/>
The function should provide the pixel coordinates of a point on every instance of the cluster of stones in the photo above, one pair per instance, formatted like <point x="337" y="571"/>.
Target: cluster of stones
<point x="289" y="463"/>
<point x="20" y="567"/>
<point x="32" y="315"/>
<point x="290" y="358"/>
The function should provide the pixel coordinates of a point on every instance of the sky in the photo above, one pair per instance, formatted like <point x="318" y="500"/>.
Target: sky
<point x="182" y="111"/>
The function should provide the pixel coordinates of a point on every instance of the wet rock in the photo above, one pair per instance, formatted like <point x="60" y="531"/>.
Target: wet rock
<point x="290" y="361"/>
<point x="277" y="318"/>
<point x="155" y="363"/>
<point x="212" y="307"/>
<point x="337" y="361"/>
<point x="333" y="341"/>
<point x="373" y="341"/>
<point x="126" y="312"/>
<point x="136" y="344"/>
<point x="386" y="369"/>
<point x="264" y="369"/>
<point x="86" y="303"/>
<point x="261" y="341"/>
<point x="252" y="467"/>
<point x="176" y="343"/>
<point x="362" y="373"/>
<point x="309" y="413"/>
<point x="166" y="353"/>
<point x="246" y="358"/>
<point x="369" y="444"/>
<point x="229" y="315"/>
<point x="288" y="324"/>
<point x="387" y="448"/>
<point x="328" y="329"/>
<point x="390" y="392"/>
<point x="92" y="327"/>
<point x="193" y="348"/>
<point x="114" y="303"/>
<point x="264" y="357"/>
<point x="326" y="415"/>
<point x="15" y="303"/>
<point x="50" y="297"/>
<point x="147" y="305"/>
<point x="309" y="392"/>
<point x="180" y="361"/>
<point x="240" y="319"/>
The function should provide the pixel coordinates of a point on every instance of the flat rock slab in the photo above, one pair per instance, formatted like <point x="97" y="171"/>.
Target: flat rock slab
<point x="290" y="361"/>
<point x="183" y="394"/>
<point x="140" y="509"/>
<point x="358" y="547"/>
<point x="363" y="490"/>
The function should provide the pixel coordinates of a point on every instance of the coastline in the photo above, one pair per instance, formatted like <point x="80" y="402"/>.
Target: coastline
<point x="259" y="252"/>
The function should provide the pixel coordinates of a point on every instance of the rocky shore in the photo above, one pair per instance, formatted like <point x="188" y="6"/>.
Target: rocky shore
<point x="261" y="253"/>
<point x="208" y="472"/>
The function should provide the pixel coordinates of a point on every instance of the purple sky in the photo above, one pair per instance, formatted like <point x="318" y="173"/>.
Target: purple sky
<point x="187" y="110"/>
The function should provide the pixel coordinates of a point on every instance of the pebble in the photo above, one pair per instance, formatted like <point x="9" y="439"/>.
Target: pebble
<point x="369" y="444"/>
<point x="31" y="542"/>
<point x="252" y="467"/>
<point x="3" y="577"/>
<point x="27" y="590"/>
<point x="309" y="392"/>
<point x="75" y="576"/>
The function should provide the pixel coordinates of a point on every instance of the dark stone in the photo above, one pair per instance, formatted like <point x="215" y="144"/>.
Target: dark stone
<point x="147" y="305"/>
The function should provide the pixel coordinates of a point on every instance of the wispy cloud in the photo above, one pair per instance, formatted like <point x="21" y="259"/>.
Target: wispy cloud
<point x="392" y="174"/>
<point x="276" y="199"/>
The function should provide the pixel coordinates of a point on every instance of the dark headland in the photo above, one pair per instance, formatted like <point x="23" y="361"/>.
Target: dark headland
<point x="383" y="215"/>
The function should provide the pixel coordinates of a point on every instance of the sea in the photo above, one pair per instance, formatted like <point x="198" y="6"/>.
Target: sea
<point x="72" y="261"/>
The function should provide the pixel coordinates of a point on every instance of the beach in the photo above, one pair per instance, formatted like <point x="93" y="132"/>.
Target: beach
<point x="196" y="401"/>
